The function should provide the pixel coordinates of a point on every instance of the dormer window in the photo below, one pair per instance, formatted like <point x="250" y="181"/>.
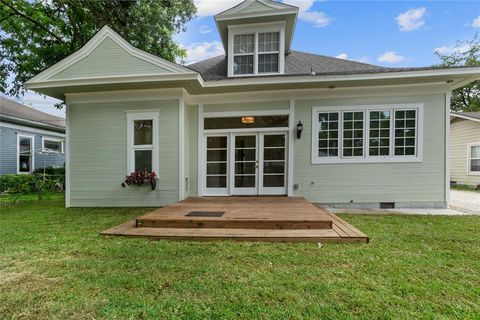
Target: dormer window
<point x="256" y="49"/>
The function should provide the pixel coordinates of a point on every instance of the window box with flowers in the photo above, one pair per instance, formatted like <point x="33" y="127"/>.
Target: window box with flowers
<point x="140" y="178"/>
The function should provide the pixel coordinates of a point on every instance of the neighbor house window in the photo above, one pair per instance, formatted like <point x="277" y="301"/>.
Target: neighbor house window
<point x="55" y="145"/>
<point x="25" y="154"/>
<point x="474" y="159"/>
<point x="142" y="141"/>
<point x="376" y="133"/>
<point x="256" y="50"/>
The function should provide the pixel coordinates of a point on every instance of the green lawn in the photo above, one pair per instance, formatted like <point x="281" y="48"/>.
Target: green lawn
<point x="464" y="187"/>
<point x="55" y="265"/>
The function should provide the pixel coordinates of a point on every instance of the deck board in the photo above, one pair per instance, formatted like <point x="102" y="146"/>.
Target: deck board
<point x="302" y="222"/>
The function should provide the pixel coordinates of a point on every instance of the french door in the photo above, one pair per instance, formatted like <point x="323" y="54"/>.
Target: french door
<point x="246" y="164"/>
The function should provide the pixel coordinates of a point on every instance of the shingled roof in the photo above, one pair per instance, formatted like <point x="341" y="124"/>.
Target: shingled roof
<point x="299" y="64"/>
<point x="14" y="111"/>
<point x="470" y="115"/>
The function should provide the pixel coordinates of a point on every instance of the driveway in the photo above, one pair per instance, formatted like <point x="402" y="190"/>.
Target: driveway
<point x="467" y="201"/>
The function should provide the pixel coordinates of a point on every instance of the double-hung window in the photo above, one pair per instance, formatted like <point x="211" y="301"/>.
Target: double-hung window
<point x="256" y="50"/>
<point x="474" y="159"/>
<point x="25" y="154"/>
<point x="366" y="134"/>
<point x="142" y="141"/>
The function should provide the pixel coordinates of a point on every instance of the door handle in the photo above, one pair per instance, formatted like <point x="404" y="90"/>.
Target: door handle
<point x="256" y="163"/>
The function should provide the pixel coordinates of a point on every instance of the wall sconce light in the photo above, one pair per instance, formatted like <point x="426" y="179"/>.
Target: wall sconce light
<point x="299" y="129"/>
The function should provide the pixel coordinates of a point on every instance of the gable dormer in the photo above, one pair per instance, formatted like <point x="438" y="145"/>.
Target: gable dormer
<point x="256" y="36"/>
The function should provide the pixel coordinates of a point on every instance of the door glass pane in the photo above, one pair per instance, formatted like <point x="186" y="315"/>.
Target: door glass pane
<point x="274" y="160"/>
<point x="216" y="181"/>
<point x="245" y="161"/>
<point x="272" y="181"/>
<point x="216" y="163"/>
<point x="142" y="132"/>
<point x="143" y="160"/>
<point x="245" y="181"/>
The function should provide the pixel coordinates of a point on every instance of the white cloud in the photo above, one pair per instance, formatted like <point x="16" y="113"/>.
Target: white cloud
<point x="391" y="57"/>
<point x="203" y="50"/>
<point x="342" y="56"/>
<point x="448" y="50"/>
<point x="212" y="7"/>
<point x="317" y="18"/>
<point x="411" y="19"/>
<point x="476" y="22"/>
<point x="205" y="29"/>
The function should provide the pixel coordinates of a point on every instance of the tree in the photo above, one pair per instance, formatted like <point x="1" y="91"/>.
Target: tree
<point x="35" y="34"/>
<point x="465" y="53"/>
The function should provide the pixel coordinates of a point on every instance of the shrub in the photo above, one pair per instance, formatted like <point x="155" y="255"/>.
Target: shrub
<point x="30" y="183"/>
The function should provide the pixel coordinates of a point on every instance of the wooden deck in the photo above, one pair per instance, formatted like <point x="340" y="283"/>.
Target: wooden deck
<point x="273" y="219"/>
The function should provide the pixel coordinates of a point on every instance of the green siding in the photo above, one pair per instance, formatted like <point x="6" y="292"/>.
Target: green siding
<point x="191" y="149"/>
<point x="247" y="106"/>
<point x="98" y="155"/>
<point x="108" y="59"/>
<point x="255" y="6"/>
<point x="374" y="182"/>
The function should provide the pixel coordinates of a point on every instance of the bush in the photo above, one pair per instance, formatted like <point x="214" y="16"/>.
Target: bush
<point x="51" y="171"/>
<point x="30" y="183"/>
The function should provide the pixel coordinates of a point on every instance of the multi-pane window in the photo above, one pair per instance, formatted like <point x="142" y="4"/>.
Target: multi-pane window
<point x="328" y="134"/>
<point x="379" y="134"/>
<point x="367" y="133"/>
<point x="353" y="134"/>
<point x="256" y="53"/>
<point x="405" y="132"/>
<point x="474" y="159"/>
<point x="268" y="51"/>
<point x="243" y="53"/>
<point x="25" y="154"/>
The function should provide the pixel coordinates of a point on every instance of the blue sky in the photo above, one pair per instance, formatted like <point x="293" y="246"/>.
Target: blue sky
<point x="389" y="33"/>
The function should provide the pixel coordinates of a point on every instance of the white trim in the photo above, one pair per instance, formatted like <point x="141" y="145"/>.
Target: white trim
<point x="255" y="29"/>
<point x="225" y="114"/>
<point x="131" y="148"/>
<point x="124" y="95"/>
<point x="366" y="158"/>
<point x="32" y="152"/>
<point x="55" y="140"/>
<point x="291" y="149"/>
<point x="200" y="153"/>
<point x="32" y="130"/>
<point x="97" y="39"/>
<point x="67" y="157"/>
<point x="448" y="96"/>
<point x="181" y="149"/>
<point x="469" y="159"/>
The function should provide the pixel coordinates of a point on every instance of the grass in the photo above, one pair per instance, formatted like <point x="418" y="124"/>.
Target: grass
<point x="464" y="187"/>
<point x="55" y="265"/>
<point x="12" y="198"/>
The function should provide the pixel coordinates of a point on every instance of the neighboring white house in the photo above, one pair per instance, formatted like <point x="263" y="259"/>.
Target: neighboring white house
<point x="465" y="148"/>
<point x="263" y="119"/>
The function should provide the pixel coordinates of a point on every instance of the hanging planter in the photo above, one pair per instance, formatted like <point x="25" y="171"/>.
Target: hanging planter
<point x="141" y="177"/>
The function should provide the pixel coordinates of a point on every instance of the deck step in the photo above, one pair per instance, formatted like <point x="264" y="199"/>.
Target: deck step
<point x="221" y="223"/>
<point x="267" y="235"/>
